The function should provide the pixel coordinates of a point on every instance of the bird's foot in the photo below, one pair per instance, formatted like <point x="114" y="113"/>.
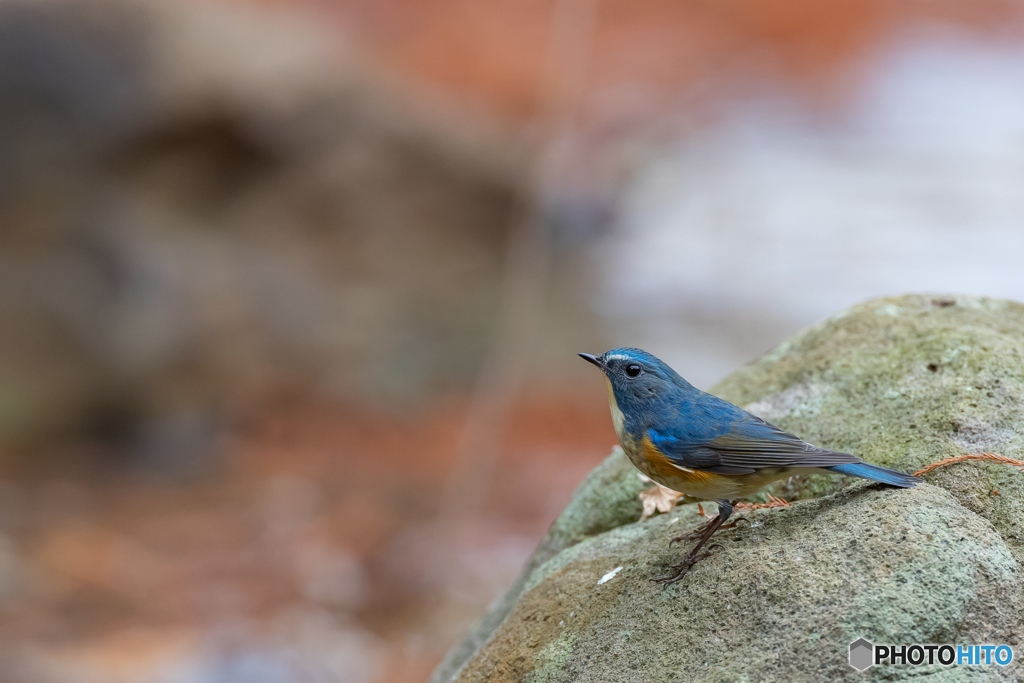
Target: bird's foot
<point x="699" y="531"/>
<point x="683" y="567"/>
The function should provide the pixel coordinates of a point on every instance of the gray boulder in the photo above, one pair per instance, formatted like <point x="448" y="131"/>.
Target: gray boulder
<point x="902" y="382"/>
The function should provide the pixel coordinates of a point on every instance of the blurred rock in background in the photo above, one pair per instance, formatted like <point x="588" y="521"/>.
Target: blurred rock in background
<point x="200" y="208"/>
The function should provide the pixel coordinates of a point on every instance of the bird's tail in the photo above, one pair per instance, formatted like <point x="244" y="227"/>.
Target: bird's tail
<point x="875" y="473"/>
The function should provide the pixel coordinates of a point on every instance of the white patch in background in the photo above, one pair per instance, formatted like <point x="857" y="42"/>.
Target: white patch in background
<point x="750" y="230"/>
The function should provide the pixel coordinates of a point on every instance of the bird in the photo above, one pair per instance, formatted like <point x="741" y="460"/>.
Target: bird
<point x="701" y="445"/>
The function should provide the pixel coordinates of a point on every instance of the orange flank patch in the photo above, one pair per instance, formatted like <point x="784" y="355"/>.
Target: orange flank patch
<point x="663" y="466"/>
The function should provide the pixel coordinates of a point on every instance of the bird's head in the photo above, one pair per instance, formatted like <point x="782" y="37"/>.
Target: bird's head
<point x="636" y="376"/>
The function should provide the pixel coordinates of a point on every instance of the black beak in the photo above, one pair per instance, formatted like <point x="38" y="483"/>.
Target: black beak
<point x="596" y="360"/>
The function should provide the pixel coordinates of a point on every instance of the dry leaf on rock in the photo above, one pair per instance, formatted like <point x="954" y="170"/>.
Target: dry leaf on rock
<point x="658" y="498"/>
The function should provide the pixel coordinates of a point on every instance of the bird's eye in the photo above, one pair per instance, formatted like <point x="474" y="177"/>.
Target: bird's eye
<point x="633" y="370"/>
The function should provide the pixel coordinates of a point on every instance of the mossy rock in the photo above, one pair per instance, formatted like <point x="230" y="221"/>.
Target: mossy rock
<point x="901" y="382"/>
<point x="904" y="382"/>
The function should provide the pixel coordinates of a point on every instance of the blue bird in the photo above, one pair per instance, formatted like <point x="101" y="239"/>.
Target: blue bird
<point x="705" y="447"/>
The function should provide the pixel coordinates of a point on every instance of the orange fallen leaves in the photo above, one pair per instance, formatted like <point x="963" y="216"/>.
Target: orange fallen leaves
<point x="773" y="502"/>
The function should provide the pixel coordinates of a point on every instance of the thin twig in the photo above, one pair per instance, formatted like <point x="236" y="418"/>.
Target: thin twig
<point x="773" y="502"/>
<point x="970" y="456"/>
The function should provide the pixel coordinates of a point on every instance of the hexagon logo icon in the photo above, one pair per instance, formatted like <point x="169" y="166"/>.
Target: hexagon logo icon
<point x="862" y="654"/>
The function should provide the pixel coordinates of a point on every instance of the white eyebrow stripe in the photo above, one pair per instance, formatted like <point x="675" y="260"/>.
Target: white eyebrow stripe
<point x="617" y="356"/>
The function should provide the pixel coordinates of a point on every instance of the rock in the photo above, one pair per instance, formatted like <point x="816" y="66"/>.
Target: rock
<point x="901" y="382"/>
<point x="608" y="498"/>
<point x="904" y="382"/>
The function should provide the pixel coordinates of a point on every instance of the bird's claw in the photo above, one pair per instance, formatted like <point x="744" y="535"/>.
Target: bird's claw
<point x="694" y="533"/>
<point x="697" y="532"/>
<point x="683" y="567"/>
<point x="684" y="537"/>
<point x="735" y="522"/>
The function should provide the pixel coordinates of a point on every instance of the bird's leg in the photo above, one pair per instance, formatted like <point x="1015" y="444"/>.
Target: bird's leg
<point x="706" y="531"/>
<point x="698" y="531"/>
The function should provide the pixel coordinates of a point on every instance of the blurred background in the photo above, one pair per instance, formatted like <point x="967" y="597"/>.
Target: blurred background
<point x="290" y="292"/>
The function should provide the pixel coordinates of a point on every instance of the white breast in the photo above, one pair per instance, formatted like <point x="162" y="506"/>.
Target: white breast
<point x="618" y="419"/>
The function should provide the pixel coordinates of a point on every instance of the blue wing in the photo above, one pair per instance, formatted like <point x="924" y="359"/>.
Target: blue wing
<point x="728" y="440"/>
